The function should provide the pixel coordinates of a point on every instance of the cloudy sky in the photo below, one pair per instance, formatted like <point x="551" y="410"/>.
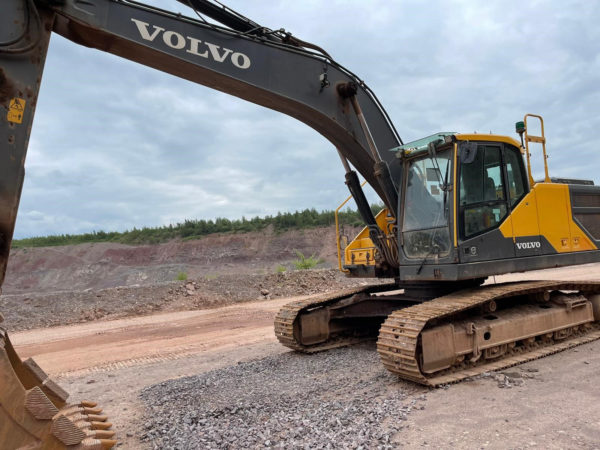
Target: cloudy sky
<point x="117" y="145"/>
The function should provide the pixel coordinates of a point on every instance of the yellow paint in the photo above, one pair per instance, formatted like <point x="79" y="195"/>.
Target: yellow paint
<point x="524" y="219"/>
<point x="16" y="110"/>
<point x="546" y="211"/>
<point x="361" y="251"/>
<point x="488" y="138"/>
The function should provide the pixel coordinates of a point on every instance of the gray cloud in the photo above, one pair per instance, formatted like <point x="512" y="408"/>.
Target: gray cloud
<point x="117" y="145"/>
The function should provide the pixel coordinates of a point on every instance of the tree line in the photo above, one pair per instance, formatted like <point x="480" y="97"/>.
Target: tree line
<point x="193" y="229"/>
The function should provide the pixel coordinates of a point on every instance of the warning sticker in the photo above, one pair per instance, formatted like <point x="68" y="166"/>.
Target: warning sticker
<point x="16" y="110"/>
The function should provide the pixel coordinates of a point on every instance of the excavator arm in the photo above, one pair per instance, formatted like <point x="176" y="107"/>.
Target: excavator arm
<point x="270" y="68"/>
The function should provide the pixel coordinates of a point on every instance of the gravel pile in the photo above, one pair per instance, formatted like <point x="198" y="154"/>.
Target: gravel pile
<point x="23" y="312"/>
<point x="342" y="398"/>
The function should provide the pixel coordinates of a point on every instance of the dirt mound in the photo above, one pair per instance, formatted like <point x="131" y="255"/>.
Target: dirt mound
<point x="107" y="265"/>
<point x="26" y="311"/>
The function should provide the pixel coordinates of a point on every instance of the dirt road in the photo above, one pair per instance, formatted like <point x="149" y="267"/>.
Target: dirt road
<point x="550" y="403"/>
<point x="101" y="346"/>
<point x="111" y="361"/>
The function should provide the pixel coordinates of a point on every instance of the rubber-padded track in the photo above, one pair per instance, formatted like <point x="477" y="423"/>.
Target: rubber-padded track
<point x="398" y="343"/>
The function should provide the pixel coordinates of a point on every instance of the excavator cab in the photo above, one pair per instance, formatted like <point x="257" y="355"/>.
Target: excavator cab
<point x="469" y="208"/>
<point x="458" y="191"/>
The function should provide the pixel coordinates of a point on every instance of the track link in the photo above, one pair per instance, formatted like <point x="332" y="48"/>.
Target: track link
<point x="399" y="344"/>
<point x="288" y="315"/>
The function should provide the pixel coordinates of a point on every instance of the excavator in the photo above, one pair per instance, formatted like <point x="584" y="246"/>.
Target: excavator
<point x="459" y="208"/>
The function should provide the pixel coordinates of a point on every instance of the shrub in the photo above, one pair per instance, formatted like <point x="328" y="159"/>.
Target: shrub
<point x="304" y="263"/>
<point x="181" y="276"/>
<point x="281" y="269"/>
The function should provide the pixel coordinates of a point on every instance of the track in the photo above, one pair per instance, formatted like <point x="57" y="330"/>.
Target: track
<point x="286" y="319"/>
<point x="399" y="336"/>
<point x="398" y="343"/>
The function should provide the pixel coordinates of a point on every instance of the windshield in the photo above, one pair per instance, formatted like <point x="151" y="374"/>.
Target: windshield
<point x="426" y="206"/>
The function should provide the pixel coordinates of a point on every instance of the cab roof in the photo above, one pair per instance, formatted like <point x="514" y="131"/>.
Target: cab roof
<point x="488" y="138"/>
<point x="420" y="145"/>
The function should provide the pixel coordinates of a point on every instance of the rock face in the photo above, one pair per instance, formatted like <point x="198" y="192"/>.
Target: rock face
<point x="106" y="265"/>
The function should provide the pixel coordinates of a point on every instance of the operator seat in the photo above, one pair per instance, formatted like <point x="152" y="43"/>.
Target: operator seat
<point x="490" y="189"/>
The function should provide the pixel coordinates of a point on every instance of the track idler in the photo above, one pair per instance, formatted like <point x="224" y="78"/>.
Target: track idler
<point x="34" y="413"/>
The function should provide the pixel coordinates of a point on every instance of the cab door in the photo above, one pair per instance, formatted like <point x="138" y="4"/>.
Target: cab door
<point x="525" y="224"/>
<point x="483" y="203"/>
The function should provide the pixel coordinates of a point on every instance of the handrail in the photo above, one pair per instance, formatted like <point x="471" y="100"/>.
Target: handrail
<point x="540" y="140"/>
<point x="337" y="231"/>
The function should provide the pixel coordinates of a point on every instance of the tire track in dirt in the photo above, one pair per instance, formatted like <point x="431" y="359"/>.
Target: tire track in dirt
<point x="111" y="345"/>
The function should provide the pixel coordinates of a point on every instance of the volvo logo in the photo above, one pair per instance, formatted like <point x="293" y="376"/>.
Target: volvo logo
<point x="525" y="245"/>
<point x="192" y="45"/>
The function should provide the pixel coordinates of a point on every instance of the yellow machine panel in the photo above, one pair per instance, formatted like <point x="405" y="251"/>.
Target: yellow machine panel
<point x="361" y="250"/>
<point x="488" y="138"/>
<point x="546" y="211"/>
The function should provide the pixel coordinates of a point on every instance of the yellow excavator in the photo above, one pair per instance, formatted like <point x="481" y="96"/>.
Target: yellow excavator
<point x="459" y="208"/>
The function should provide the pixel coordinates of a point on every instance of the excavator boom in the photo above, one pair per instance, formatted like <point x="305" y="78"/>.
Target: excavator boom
<point x="263" y="70"/>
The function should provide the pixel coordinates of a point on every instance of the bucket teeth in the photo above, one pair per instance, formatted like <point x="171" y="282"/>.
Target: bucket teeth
<point x="107" y="444"/>
<point x="86" y="424"/>
<point x="87" y="404"/>
<point x="96" y="444"/>
<point x="92" y="410"/>
<point x="101" y="425"/>
<point x="72" y="410"/>
<point x="34" y="413"/>
<point x="73" y="427"/>
<point x="97" y="418"/>
<point x="100" y="434"/>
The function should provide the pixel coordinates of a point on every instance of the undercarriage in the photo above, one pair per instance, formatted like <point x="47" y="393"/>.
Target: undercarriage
<point x="450" y="337"/>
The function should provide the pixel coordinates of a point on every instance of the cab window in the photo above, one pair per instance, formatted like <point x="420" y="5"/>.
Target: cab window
<point x="482" y="194"/>
<point x="515" y="174"/>
<point x="425" y="223"/>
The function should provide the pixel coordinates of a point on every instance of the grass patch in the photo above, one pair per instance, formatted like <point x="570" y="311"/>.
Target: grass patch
<point x="181" y="276"/>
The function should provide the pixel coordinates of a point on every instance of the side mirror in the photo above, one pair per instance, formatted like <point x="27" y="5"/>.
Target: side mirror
<point x="468" y="152"/>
